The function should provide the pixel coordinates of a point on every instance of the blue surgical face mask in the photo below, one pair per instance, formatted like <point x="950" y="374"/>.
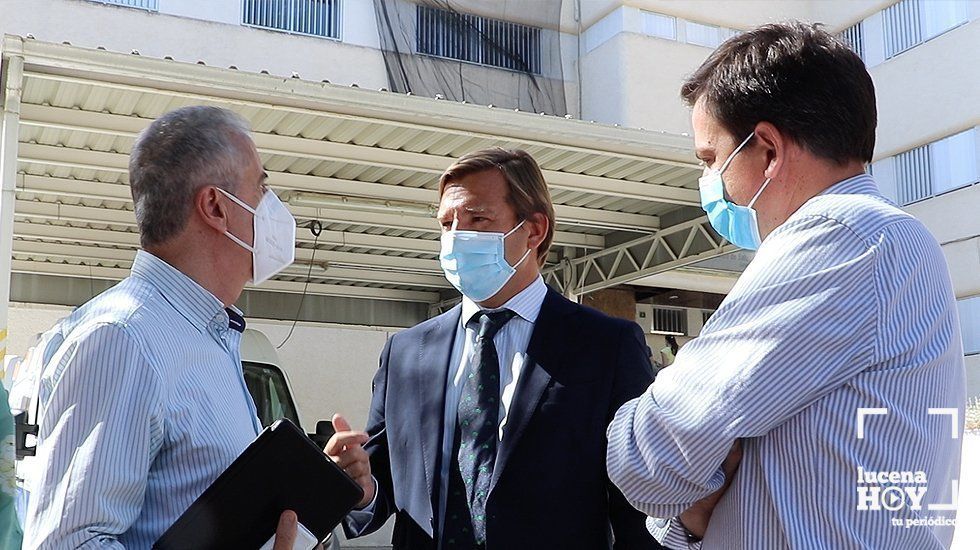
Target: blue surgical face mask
<point x="739" y="225"/>
<point x="474" y="262"/>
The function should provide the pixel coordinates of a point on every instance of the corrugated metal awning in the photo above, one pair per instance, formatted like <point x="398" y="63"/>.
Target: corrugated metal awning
<point x="365" y="163"/>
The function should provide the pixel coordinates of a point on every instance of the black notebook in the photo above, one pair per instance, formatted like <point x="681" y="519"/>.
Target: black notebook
<point x="281" y="470"/>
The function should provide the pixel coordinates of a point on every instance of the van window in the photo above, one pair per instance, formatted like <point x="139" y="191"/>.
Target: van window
<point x="270" y="393"/>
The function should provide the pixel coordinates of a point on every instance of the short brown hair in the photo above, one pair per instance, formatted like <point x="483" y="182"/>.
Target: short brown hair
<point x="529" y="193"/>
<point x="798" y="78"/>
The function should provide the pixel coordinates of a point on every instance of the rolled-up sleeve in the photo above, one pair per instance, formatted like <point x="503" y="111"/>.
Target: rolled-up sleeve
<point x="800" y="322"/>
<point x="100" y="430"/>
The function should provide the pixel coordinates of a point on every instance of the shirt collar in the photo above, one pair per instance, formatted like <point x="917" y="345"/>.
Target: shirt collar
<point x="861" y="184"/>
<point x="190" y="299"/>
<point x="526" y="303"/>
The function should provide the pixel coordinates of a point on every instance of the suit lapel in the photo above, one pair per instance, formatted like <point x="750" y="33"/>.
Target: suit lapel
<point x="543" y="359"/>
<point x="435" y="351"/>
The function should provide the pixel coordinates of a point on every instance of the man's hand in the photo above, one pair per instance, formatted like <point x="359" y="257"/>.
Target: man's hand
<point x="695" y="519"/>
<point x="286" y="532"/>
<point x="346" y="449"/>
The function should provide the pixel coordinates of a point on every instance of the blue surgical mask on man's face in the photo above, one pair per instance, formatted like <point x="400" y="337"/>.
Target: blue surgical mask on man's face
<point x="739" y="225"/>
<point x="474" y="262"/>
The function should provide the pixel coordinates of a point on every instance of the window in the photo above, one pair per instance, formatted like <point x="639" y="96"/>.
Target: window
<point x="267" y="386"/>
<point x="969" y="310"/>
<point x="661" y="26"/>
<point x="310" y="17"/>
<point x="709" y="36"/>
<point x="953" y="162"/>
<point x="150" y="5"/>
<point x="705" y="315"/>
<point x="669" y="321"/>
<point x="491" y="42"/>
<point x="913" y="175"/>
<point x="912" y="22"/>
<point x="853" y="36"/>
<point x="929" y="170"/>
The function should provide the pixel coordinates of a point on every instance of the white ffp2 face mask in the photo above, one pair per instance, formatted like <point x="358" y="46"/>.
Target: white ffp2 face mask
<point x="273" y="236"/>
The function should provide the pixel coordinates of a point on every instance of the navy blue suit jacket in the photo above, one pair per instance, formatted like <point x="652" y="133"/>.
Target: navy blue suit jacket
<point x="549" y="486"/>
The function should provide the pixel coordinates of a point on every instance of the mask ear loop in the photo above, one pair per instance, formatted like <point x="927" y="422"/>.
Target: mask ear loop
<point x="516" y="227"/>
<point x="759" y="192"/>
<point x="241" y="203"/>
<point x="735" y="152"/>
<point x="524" y="257"/>
<point x="526" y="254"/>
<point x="237" y="200"/>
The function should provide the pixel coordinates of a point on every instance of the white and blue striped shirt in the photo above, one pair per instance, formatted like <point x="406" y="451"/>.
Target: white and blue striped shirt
<point x="848" y="305"/>
<point x="142" y="405"/>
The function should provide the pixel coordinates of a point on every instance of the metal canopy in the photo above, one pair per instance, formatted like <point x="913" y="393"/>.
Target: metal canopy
<point x="364" y="163"/>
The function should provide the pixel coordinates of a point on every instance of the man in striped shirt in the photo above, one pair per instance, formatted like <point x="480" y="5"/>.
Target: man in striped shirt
<point x="142" y="398"/>
<point x="822" y="405"/>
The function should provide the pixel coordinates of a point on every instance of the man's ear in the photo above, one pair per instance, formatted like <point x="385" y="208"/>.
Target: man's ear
<point x="209" y="206"/>
<point x="775" y="144"/>
<point x="537" y="226"/>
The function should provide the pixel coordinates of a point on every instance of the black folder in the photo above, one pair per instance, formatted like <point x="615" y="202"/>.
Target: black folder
<point x="281" y="470"/>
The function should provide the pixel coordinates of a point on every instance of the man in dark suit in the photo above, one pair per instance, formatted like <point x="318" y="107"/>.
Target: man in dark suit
<point x="488" y="423"/>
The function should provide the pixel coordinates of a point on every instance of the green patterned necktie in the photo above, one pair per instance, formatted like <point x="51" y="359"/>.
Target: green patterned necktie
<point x="476" y="438"/>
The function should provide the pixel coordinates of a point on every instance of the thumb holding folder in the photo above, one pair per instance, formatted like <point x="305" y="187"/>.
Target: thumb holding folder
<point x="286" y="532"/>
<point x="346" y="449"/>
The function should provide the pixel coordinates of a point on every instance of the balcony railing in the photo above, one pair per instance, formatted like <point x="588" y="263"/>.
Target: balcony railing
<point x="476" y="39"/>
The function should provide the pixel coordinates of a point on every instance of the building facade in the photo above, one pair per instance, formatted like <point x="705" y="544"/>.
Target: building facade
<point x="613" y="62"/>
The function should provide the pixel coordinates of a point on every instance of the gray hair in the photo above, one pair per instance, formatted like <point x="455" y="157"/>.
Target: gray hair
<point x="174" y="157"/>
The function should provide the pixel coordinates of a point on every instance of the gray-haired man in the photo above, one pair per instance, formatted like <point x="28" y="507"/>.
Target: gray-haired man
<point x="143" y="403"/>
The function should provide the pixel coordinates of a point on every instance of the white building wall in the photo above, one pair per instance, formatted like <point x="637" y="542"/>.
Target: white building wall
<point x="219" y="11"/>
<point x="89" y="24"/>
<point x="953" y="220"/>
<point x="26" y="321"/>
<point x="330" y="371"/>
<point x="928" y="92"/>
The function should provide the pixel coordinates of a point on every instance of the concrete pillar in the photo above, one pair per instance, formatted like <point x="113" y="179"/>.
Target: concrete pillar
<point x="613" y="301"/>
<point x="11" y="87"/>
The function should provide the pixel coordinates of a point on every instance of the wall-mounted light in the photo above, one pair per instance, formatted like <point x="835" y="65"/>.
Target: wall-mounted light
<point x="320" y="200"/>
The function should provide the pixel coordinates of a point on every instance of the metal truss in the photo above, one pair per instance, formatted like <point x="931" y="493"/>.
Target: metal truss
<point x="676" y="246"/>
<point x="669" y="248"/>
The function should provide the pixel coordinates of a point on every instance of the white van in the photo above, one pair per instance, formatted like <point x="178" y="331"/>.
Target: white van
<point x="264" y="377"/>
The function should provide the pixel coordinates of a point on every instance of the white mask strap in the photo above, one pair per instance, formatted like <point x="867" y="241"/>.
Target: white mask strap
<point x="759" y="192"/>
<point x="239" y="242"/>
<point x="526" y="254"/>
<point x="524" y="257"/>
<point x="237" y="200"/>
<point x="516" y="227"/>
<point x="735" y="152"/>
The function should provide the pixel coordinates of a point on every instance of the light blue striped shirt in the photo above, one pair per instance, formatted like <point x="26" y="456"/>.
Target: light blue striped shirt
<point x="142" y="405"/>
<point x="848" y="305"/>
